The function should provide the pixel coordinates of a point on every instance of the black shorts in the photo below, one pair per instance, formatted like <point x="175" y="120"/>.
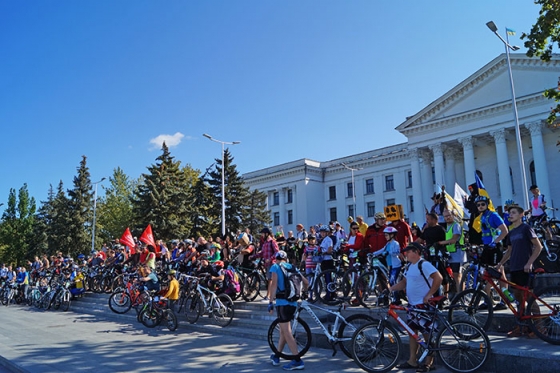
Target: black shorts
<point x="520" y="278"/>
<point x="285" y="313"/>
<point x="455" y="267"/>
<point x="491" y="256"/>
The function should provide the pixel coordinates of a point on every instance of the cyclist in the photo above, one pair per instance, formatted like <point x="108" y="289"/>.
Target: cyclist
<point x="420" y="286"/>
<point x="523" y="248"/>
<point x="494" y="231"/>
<point x="22" y="279"/>
<point x="326" y="250"/>
<point x="538" y="209"/>
<point x="269" y="248"/>
<point x="151" y="281"/>
<point x="454" y="244"/>
<point x="393" y="250"/>
<point x="172" y="293"/>
<point x="285" y="311"/>
<point x="374" y="237"/>
<point x="311" y="256"/>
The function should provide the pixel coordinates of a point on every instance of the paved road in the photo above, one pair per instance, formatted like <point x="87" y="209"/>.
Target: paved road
<point x="49" y="341"/>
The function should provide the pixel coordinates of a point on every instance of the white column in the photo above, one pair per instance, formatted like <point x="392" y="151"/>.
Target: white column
<point x="539" y="158"/>
<point x="450" y="170"/>
<point x="416" y="185"/>
<point x="468" y="155"/>
<point x="427" y="183"/>
<point x="439" y="166"/>
<point x="503" y="164"/>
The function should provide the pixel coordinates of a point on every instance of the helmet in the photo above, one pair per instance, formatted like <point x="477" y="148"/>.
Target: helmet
<point x="509" y="202"/>
<point x="414" y="226"/>
<point x="379" y="215"/>
<point x="481" y="199"/>
<point x="324" y="228"/>
<point x="74" y="266"/>
<point x="266" y="230"/>
<point x="219" y="263"/>
<point x="281" y="255"/>
<point x="205" y="253"/>
<point x="390" y="230"/>
<point x="278" y="234"/>
<point x="171" y="272"/>
<point x="81" y="256"/>
<point x="216" y="246"/>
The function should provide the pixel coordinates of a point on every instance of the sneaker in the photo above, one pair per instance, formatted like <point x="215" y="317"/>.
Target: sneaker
<point x="483" y="306"/>
<point x="500" y="306"/>
<point x="294" y="365"/>
<point x="275" y="360"/>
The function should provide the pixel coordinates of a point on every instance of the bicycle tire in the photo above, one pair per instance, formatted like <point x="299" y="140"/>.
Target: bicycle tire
<point x="466" y="306"/>
<point x="171" y="320"/>
<point x="251" y="286"/>
<point x="65" y="304"/>
<point x="349" y="280"/>
<point x="347" y="330"/>
<point x="331" y="292"/>
<point x="193" y="308"/>
<point x="120" y="302"/>
<point x="301" y="333"/>
<point x="107" y="285"/>
<point x="464" y="347"/>
<point x="223" y="310"/>
<point x="546" y="326"/>
<point x="369" y="288"/>
<point x="376" y="348"/>
<point x="150" y="317"/>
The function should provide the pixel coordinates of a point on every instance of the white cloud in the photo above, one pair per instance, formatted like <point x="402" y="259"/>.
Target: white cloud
<point x="170" y="140"/>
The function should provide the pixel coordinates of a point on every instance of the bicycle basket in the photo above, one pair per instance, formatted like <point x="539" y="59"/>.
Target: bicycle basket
<point x="493" y="273"/>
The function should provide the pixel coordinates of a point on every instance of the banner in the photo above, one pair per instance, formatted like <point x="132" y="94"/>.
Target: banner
<point x="477" y="224"/>
<point x="127" y="240"/>
<point x="148" y="238"/>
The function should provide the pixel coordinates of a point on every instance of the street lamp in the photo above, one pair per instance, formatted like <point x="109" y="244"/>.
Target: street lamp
<point x="94" y="208"/>
<point x="353" y="187"/>
<point x="223" y="178"/>
<point x="492" y="26"/>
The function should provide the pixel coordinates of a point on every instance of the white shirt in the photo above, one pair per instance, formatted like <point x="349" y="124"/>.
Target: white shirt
<point x="416" y="287"/>
<point x="325" y="244"/>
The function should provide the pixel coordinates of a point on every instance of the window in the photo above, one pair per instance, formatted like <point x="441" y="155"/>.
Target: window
<point x="433" y="175"/>
<point x="409" y="179"/>
<point x="276" y="218"/>
<point x="370" y="209"/>
<point x="290" y="196"/>
<point x="533" y="173"/>
<point x="389" y="182"/>
<point x="350" y="189"/>
<point x="512" y="183"/>
<point x="411" y="203"/>
<point x="369" y="186"/>
<point x="290" y="216"/>
<point x="275" y="199"/>
<point x="351" y="210"/>
<point x="332" y="212"/>
<point x="390" y="201"/>
<point x="332" y="193"/>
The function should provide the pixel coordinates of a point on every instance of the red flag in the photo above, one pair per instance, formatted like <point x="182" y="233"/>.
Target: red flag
<point x="127" y="240"/>
<point x="147" y="237"/>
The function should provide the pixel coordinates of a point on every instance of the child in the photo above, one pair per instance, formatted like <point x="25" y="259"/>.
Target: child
<point x="311" y="257"/>
<point x="393" y="250"/>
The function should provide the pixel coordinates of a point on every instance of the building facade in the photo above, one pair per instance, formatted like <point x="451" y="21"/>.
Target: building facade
<point x="469" y="129"/>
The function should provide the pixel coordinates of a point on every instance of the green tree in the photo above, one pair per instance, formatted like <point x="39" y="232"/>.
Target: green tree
<point x="59" y="238"/>
<point x="540" y="42"/>
<point x="256" y="215"/>
<point x="81" y="212"/>
<point x="162" y="198"/>
<point x="16" y="227"/>
<point x="203" y="216"/>
<point x="43" y="224"/>
<point x="114" y="211"/>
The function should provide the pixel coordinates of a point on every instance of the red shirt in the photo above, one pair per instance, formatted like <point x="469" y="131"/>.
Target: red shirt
<point x="403" y="233"/>
<point x="374" y="240"/>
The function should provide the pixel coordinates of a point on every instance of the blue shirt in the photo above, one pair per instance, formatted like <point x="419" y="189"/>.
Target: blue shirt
<point x="281" y="286"/>
<point x="490" y="221"/>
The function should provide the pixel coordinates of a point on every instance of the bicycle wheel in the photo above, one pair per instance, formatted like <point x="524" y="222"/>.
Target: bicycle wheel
<point x="170" y="320"/>
<point x="300" y="331"/>
<point x="346" y="331"/>
<point x="150" y="317"/>
<point x="328" y="287"/>
<point x="65" y="301"/>
<point x="251" y="286"/>
<point x="369" y="288"/>
<point x="376" y="348"/>
<point x="120" y="302"/>
<point x="118" y="283"/>
<point x="193" y="308"/>
<point x="349" y="281"/>
<point x="545" y="314"/>
<point x="222" y="310"/>
<point x="463" y="347"/>
<point x="107" y="285"/>
<point x="466" y="306"/>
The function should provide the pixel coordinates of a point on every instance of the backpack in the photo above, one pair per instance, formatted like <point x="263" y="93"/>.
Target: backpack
<point x="440" y="290"/>
<point x="231" y="282"/>
<point x="293" y="282"/>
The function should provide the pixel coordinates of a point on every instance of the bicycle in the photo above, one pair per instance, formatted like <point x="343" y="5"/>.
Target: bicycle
<point x="335" y="290"/>
<point x="131" y="295"/>
<point x="340" y="333"/>
<point x="201" y="300"/>
<point x="255" y="283"/>
<point x="372" y="283"/>
<point x="155" y="311"/>
<point x="461" y="346"/>
<point x="541" y="314"/>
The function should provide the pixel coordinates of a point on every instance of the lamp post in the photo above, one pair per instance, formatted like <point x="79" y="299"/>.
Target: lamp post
<point x="94" y="208"/>
<point x="353" y="187"/>
<point x="492" y="26"/>
<point x="223" y="178"/>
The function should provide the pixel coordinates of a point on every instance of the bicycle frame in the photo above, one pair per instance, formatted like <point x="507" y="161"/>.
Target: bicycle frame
<point x="305" y="305"/>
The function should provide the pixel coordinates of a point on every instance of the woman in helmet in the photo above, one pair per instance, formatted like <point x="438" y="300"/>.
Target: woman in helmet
<point x="393" y="251"/>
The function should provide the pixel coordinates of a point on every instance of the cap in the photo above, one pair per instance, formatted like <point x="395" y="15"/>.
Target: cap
<point x="379" y="215"/>
<point x="534" y="186"/>
<point x="414" y="246"/>
<point x="171" y="272"/>
<point x="281" y="255"/>
<point x="266" y="230"/>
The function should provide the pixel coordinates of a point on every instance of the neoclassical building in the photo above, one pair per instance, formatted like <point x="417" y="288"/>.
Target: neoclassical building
<point x="469" y="129"/>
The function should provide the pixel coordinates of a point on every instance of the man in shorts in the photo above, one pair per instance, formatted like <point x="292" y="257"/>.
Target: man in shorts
<point x="523" y="248"/>
<point x="285" y="311"/>
<point x="420" y="287"/>
<point x="455" y="246"/>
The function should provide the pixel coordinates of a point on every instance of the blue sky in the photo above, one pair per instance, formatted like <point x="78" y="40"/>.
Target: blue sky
<point x="289" y="79"/>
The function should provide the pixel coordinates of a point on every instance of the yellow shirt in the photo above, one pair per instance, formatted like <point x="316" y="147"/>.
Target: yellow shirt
<point x="173" y="291"/>
<point x="363" y="228"/>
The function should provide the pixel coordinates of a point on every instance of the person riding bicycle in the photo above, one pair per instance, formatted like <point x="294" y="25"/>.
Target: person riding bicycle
<point x="151" y="281"/>
<point x="22" y="280"/>
<point x="523" y="248"/>
<point x="285" y="310"/>
<point x="494" y="231"/>
<point x="421" y="283"/>
<point x="172" y="293"/>
<point x="393" y="251"/>
<point x="213" y="276"/>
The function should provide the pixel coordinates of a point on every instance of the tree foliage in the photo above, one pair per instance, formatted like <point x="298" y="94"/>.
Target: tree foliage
<point x="80" y="210"/>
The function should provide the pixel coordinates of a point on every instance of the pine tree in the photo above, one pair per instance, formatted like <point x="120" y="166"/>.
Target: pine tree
<point x="256" y="215"/>
<point x="163" y="198"/>
<point x="59" y="237"/>
<point x="81" y="212"/>
<point x="43" y="224"/>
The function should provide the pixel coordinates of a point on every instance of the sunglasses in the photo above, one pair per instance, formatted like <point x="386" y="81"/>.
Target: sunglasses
<point x="355" y="229"/>
<point x="480" y="204"/>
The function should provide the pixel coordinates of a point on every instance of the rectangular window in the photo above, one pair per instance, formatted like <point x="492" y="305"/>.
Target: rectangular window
<point x="433" y="175"/>
<point x="390" y="201"/>
<point x="290" y="196"/>
<point x="276" y="218"/>
<point x="370" y="209"/>
<point x="369" y="186"/>
<point x="411" y="203"/>
<point x="290" y="216"/>
<point x="332" y="193"/>
<point x="350" y="189"/>
<point x="389" y="183"/>
<point x="332" y="212"/>
<point x="409" y="179"/>
<point x="275" y="199"/>
<point x="351" y="210"/>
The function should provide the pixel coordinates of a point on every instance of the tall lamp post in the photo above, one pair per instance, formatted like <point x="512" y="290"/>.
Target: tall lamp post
<point x="94" y="208"/>
<point x="353" y="186"/>
<point x="223" y="178"/>
<point x="492" y="26"/>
